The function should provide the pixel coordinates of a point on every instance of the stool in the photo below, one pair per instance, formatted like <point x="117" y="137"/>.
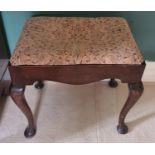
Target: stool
<point x="76" y="50"/>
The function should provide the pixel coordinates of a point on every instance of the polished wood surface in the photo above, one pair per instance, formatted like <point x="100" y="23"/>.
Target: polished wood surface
<point x="17" y="94"/>
<point x="77" y="75"/>
<point x="135" y="91"/>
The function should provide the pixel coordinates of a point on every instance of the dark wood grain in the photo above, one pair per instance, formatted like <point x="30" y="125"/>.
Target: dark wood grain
<point x="17" y="94"/>
<point x="77" y="75"/>
<point x="135" y="91"/>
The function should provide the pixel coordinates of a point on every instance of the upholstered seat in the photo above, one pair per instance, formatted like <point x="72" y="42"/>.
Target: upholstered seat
<point x="76" y="40"/>
<point x="53" y="49"/>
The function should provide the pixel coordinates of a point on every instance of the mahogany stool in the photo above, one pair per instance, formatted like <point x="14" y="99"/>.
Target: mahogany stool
<point x="76" y="50"/>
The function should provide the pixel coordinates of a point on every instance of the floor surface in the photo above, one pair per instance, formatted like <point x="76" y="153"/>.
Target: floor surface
<point x="87" y="113"/>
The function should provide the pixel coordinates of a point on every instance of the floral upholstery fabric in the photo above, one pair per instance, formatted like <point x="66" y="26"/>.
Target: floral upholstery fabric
<point x="76" y="40"/>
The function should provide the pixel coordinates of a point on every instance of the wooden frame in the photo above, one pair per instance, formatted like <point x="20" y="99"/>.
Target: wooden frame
<point x="77" y="75"/>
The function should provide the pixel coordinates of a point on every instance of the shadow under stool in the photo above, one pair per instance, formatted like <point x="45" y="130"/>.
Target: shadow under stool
<point x="76" y="50"/>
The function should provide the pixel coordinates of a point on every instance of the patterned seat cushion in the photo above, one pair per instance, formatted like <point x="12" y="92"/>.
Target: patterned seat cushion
<point x="76" y="40"/>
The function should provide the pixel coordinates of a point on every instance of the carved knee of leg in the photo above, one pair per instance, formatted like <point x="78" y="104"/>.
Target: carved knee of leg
<point x="17" y="91"/>
<point x="17" y="94"/>
<point x="136" y="89"/>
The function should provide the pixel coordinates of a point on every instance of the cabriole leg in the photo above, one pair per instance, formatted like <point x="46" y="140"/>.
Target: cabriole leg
<point x="17" y="94"/>
<point x="135" y="91"/>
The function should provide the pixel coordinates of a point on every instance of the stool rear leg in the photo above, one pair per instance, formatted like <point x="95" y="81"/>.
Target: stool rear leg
<point x="135" y="91"/>
<point x="113" y="83"/>
<point x="17" y="94"/>
<point x="39" y="84"/>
